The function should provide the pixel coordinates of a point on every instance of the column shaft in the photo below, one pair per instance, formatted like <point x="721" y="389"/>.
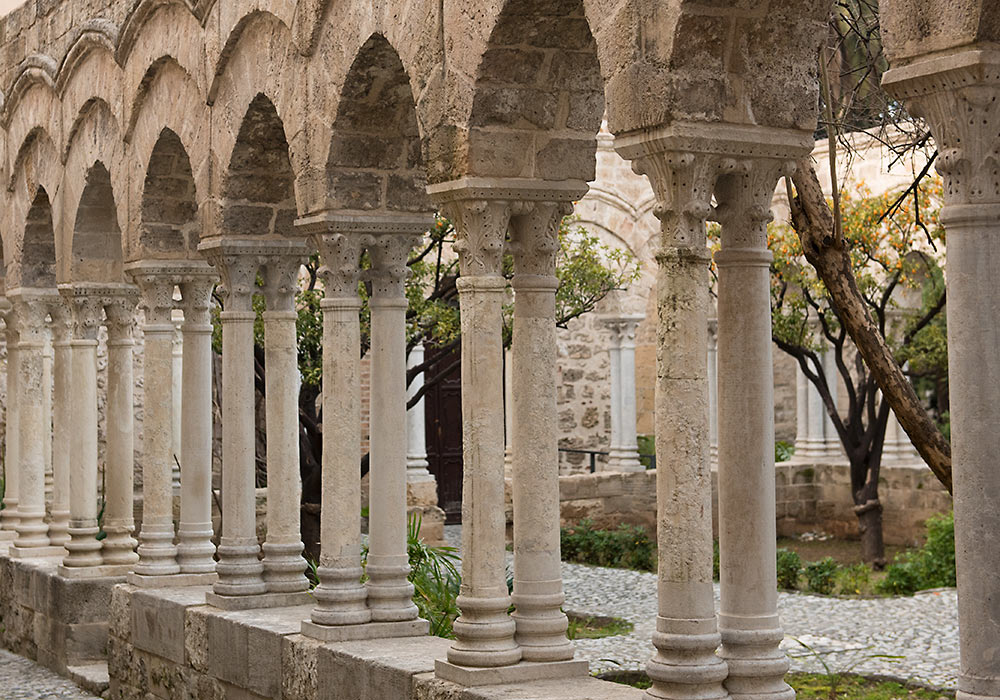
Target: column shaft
<point x="8" y="516"/>
<point x="157" y="552"/>
<point x="416" y="438"/>
<point x="801" y="412"/>
<point x="538" y="594"/>
<point x="177" y="394"/>
<point x="195" y="550"/>
<point x="62" y="420"/>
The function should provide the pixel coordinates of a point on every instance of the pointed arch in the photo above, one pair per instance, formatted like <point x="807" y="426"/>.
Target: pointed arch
<point x="168" y="224"/>
<point x="96" y="253"/>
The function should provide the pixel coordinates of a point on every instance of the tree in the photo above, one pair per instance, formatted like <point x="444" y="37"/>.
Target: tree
<point x="888" y="255"/>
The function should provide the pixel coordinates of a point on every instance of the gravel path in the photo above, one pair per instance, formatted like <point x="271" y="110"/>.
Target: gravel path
<point x="22" y="679"/>
<point x="846" y="634"/>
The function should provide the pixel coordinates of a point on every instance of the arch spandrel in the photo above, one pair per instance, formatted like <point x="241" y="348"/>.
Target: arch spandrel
<point x="36" y="108"/>
<point x="262" y="62"/>
<point x="95" y="78"/>
<point x="97" y="138"/>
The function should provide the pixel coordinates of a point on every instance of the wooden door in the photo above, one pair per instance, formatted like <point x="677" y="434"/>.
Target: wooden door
<point x="443" y="418"/>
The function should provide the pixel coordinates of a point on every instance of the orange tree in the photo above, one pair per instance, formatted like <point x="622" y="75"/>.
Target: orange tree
<point x="893" y="247"/>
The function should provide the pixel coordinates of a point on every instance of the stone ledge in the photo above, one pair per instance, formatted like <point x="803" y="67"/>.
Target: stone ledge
<point x="368" y="630"/>
<point x="519" y="673"/>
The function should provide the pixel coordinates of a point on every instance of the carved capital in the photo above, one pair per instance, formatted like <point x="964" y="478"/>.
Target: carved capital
<point x="389" y="254"/>
<point x="157" y="297"/>
<point x="196" y="297"/>
<point x="239" y="278"/>
<point x="958" y="96"/>
<point x="535" y="239"/>
<point x="62" y="321"/>
<point x="623" y="328"/>
<point x="280" y="273"/>
<point x="87" y="309"/>
<point x="743" y="194"/>
<point x="30" y="315"/>
<point x="119" y="310"/>
<point x="481" y="227"/>
<point x="341" y="254"/>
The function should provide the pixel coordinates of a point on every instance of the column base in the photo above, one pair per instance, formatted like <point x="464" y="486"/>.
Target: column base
<point x="47" y="552"/>
<point x="102" y="571"/>
<point x="7" y="536"/>
<point x="259" y="600"/>
<point x="171" y="580"/>
<point x="521" y="672"/>
<point x="366" y="630"/>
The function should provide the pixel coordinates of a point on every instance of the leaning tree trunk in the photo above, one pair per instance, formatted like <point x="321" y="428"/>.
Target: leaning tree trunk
<point x="868" y="508"/>
<point x="825" y="251"/>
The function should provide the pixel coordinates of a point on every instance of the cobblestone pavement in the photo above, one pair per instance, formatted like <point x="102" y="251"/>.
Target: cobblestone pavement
<point x="914" y="638"/>
<point x="22" y="679"/>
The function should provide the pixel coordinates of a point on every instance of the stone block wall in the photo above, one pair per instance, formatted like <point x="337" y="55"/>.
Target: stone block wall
<point x="584" y="392"/>
<point x="61" y="623"/>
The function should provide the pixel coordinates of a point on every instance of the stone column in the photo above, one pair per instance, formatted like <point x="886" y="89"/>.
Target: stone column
<point x="118" y="548"/>
<point x="176" y="391"/>
<point x="713" y="388"/>
<point x="62" y="420"/>
<point x="340" y="595"/>
<point x="284" y="566"/>
<point x="748" y="619"/>
<point x="8" y="516"/>
<point x="416" y="429"/>
<point x="389" y="592"/>
<point x="195" y="550"/>
<point x="958" y="96"/>
<point x="157" y="552"/>
<point x="31" y="308"/>
<point x="83" y="547"/>
<point x="47" y="360"/>
<point x="508" y="411"/>
<point x="538" y="593"/>
<point x="685" y="664"/>
<point x="624" y="452"/>
<point x="801" y="412"/>
<point x="831" y="440"/>
<point x="815" y="443"/>
<point x="484" y="632"/>
<point x="239" y="567"/>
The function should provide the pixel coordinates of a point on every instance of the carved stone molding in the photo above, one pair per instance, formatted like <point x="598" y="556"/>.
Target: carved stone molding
<point x="341" y="256"/>
<point x="119" y="311"/>
<point x="31" y="309"/>
<point x="623" y="328"/>
<point x="535" y="239"/>
<point x="238" y="262"/>
<point x="280" y="273"/>
<point x="86" y="307"/>
<point x="743" y="194"/>
<point x="957" y="95"/>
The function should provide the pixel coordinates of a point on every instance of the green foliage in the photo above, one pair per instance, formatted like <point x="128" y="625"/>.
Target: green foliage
<point x="597" y="627"/>
<point x="715" y="560"/>
<point x="789" y="568"/>
<point x="628" y="547"/>
<point x="932" y="566"/>
<point x="783" y="451"/>
<point x="854" y="580"/>
<point x="647" y="449"/>
<point x="820" y="575"/>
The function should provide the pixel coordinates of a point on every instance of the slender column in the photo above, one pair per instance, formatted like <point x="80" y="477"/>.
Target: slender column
<point x="801" y="412"/>
<point x="8" y="516"/>
<point x="815" y="440"/>
<point x="508" y="410"/>
<point x="119" y="545"/>
<point x="538" y="593"/>
<point x="340" y="596"/>
<point x="284" y="566"/>
<point x="62" y="421"/>
<point x="47" y="410"/>
<point x="157" y="553"/>
<point x="713" y="388"/>
<point x="83" y="547"/>
<point x="195" y="550"/>
<point x="177" y="381"/>
<point x="748" y="619"/>
<point x="685" y="664"/>
<point x="240" y="570"/>
<point x="624" y="450"/>
<point x="416" y="438"/>
<point x="31" y="310"/>
<point x="958" y="96"/>
<point x="830" y="438"/>
<point x="484" y="632"/>
<point x="389" y="592"/>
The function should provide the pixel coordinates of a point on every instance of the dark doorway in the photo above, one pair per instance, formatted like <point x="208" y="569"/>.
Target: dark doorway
<point x="443" y="417"/>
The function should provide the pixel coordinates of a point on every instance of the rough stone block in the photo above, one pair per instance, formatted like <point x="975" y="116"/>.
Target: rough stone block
<point x="298" y="667"/>
<point x="376" y="670"/>
<point x="158" y="618"/>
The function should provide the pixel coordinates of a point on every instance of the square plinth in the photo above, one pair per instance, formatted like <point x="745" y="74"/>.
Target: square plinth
<point x="522" y="672"/>
<point x="8" y="535"/>
<point x="368" y="630"/>
<point x="172" y="580"/>
<point x="48" y="552"/>
<point x="262" y="600"/>
<point x="104" y="571"/>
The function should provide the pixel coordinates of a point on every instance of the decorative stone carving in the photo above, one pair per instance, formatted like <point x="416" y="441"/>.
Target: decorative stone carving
<point x="389" y="254"/>
<point x="341" y="255"/>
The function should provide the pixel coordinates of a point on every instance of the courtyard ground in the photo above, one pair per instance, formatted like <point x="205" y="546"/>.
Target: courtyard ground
<point x="21" y="679"/>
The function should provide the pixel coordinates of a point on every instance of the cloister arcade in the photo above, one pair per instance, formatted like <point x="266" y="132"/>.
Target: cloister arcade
<point x="152" y="149"/>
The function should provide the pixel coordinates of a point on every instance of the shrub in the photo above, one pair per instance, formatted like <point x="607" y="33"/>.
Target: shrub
<point x="932" y="566"/>
<point x="715" y="560"/>
<point x="783" y="451"/>
<point x="789" y="568"/>
<point x="854" y="580"/>
<point x="820" y="575"/>
<point x="647" y="450"/>
<point x="628" y="547"/>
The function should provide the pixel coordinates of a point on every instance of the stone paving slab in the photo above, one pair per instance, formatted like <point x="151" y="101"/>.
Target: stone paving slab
<point x="22" y="679"/>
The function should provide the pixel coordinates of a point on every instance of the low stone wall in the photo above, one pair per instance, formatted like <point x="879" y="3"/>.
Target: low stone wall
<point x="61" y="623"/>
<point x="809" y="497"/>
<point x="170" y="645"/>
